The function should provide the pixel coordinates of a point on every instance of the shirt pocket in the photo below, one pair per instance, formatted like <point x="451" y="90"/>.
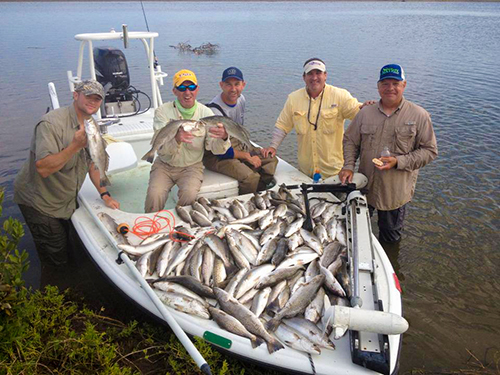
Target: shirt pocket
<point x="405" y="138"/>
<point x="300" y="122"/>
<point x="368" y="132"/>
<point x="329" y="120"/>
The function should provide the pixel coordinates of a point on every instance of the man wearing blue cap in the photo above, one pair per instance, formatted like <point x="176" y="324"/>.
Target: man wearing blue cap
<point x="248" y="166"/>
<point x="404" y="130"/>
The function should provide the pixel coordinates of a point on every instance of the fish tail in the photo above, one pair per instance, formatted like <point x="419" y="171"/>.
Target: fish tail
<point x="150" y="155"/>
<point x="273" y="324"/>
<point x="256" y="342"/>
<point x="104" y="181"/>
<point x="274" y="346"/>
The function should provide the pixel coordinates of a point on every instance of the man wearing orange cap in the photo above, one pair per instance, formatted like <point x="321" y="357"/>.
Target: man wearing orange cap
<point x="179" y="160"/>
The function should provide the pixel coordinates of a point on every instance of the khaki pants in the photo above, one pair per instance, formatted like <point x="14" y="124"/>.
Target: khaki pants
<point x="250" y="179"/>
<point x="163" y="177"/>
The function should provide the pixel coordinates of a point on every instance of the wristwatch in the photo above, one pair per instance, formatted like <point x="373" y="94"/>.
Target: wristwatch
<point x="105" y="193"/>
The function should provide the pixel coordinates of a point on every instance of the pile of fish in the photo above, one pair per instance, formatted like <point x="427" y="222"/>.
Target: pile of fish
<point x="206" y="48"/>
<point x="251" y="267"/>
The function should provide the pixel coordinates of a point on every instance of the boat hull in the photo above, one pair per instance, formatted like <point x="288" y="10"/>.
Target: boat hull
<point x="330" y="362"/>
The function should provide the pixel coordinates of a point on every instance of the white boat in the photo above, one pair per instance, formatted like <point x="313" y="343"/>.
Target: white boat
<point x="375" y="283"/>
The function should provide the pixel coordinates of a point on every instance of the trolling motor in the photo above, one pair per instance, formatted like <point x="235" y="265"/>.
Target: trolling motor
<point x="121" y="99"/>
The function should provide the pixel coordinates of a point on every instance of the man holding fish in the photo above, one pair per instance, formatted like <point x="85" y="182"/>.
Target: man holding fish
<point x="60" y="157"/>
<point x="245" y="164"/>
<point x="180" y="141"/>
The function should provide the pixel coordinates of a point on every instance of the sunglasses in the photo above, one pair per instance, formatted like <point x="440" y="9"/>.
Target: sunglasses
<point x="183" y="88"/>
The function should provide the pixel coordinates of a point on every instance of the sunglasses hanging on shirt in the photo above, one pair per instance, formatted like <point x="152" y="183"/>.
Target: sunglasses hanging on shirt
<point x="315" y="124"/>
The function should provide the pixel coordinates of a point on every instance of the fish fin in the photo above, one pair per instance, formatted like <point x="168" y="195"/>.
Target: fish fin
<point x="149" y="156"/>
<point x="256" y="342"/>
<point x="273" y="324"/>
<point x="273" y="346"/>
<point x="106" y="164"/>
<point x="104" y="181"/>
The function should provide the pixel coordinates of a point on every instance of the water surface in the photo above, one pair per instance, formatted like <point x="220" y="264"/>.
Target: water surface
<point x="449" y="258"/>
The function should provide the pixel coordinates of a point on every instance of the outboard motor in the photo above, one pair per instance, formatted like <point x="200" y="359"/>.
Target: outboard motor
<point x="112" y="72"/>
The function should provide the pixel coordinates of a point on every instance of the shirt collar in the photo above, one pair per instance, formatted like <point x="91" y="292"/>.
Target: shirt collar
<point x="307" y="96"/>
<point x="379" y="105"/>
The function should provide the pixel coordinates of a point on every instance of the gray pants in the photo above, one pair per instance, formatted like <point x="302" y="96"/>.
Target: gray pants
<point x="163" y="177"/>
<point x="390" y="223"/>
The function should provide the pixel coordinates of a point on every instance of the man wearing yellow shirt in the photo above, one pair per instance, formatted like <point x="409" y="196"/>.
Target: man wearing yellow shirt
<point x="317" y="113"/>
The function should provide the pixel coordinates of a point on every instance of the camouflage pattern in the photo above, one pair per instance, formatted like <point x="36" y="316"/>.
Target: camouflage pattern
<point x="90" y="87"/>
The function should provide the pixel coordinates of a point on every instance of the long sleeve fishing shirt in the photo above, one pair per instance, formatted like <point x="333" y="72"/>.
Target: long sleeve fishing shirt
<point x="409" y="135"/>
<point x="319" y="123"/>
<point x="187" y="154"/>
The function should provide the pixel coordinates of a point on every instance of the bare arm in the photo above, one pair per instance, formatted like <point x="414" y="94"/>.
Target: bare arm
<point x="278" y="136"/>
<point x="53" y="163"/>
<point x="95" y="177"/>
<point x="245" y="156"/>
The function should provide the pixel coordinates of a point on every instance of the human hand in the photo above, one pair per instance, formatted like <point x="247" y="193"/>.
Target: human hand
<point x="111" y="202"/>
<point x="254" y="160"/>
<point x="345" y="175"/>
<point x="80" y="138"/>
<point x="389" y="162"/>
<point x="368" y="102"/>
<point x="268" y="152"/>
<point x="183" y="136"/>
<point x="218" y="132"/>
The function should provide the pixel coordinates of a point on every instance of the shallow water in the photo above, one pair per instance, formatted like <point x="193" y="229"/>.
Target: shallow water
<point x="449" y="258"/>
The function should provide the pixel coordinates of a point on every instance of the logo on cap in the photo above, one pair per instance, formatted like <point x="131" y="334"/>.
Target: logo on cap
<point x="232" y="72"/>
<point x="184" y="75"/>
<point x="392" y="71"/>
<point x="314" y="64"/>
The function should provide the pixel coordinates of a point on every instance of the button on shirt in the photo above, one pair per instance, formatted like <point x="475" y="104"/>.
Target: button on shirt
<point x="321" y="148"/>
<point x="409" y="135"/>
<point x="54" y="195"/>
<point x="187" y="154"/>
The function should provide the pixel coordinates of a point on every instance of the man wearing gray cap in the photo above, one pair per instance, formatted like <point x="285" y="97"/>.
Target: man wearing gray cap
<point x="393" y="140"/>
<point x="317" y="112"/>
<point x="47" y="184"/>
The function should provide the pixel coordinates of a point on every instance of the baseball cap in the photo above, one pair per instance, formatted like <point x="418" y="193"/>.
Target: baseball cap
<point x="314" y="63"/>
<point x="232" y="72"/>
<point x="184" y="75"/>
<point x="90" y="87"/>
<point x="392" y="71"/>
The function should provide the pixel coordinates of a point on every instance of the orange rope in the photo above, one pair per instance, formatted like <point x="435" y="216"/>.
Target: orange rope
<point x="145" y="226"/>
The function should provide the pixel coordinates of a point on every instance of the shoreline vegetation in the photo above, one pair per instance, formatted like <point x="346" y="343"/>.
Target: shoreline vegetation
<point x="66" y="332"/>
